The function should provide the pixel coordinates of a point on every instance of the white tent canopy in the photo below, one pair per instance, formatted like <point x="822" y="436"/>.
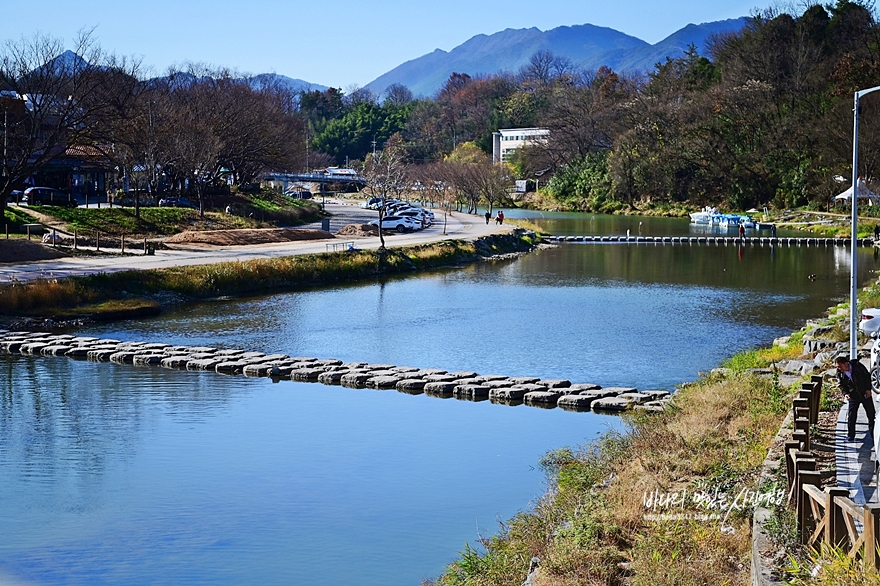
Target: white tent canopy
<point x="864" y="193"/>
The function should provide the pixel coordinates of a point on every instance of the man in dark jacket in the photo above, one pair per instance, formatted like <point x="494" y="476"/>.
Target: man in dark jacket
<point x="854" y="381"/>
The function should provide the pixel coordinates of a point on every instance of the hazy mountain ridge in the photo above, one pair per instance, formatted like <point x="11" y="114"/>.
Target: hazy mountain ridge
<point x="587" y="45"/>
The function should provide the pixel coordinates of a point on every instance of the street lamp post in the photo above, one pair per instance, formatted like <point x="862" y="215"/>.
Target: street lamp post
<point x="854" y="282"/>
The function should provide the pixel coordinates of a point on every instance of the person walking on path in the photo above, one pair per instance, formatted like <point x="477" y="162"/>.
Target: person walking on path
<point x="854" y="381"/>
<point x="742" y="232"/>
<point x="773" y="231"/>
<point x="488" y="216"/>
<point x="499" y="219"/>
<point x="876" y="232"/>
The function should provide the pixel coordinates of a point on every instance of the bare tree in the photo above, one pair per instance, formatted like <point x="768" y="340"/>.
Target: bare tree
<point x="51" y="99"/>
<point x="386" y="175"/>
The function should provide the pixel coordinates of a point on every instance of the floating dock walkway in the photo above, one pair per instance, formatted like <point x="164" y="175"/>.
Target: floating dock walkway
<point x="466" y="385"/>
<point x="725" y="240"/>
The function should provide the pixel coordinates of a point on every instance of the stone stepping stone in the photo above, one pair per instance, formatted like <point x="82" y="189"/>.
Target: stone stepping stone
<point x="33" y="347"/>
<point x="54" y="350"/>
<point x="78" y="352"/>
<point x="122" y="357"/>
<point x="12" y="347"/>
<point x="384" y="372"/>
<point x="405" y="369"/>
<point x="79" y="339"/>
<point x="284" y="370"/>
<point x="229" y="352"/>
<point x="463" y="374"/>
<point x="439" y="378"/>
<point x="177" y="362"/>
<point x="328" y="362"/>
<point x="204" y="356"/>
<point x="203" y="364"/>
<point x="621" y="390"/>
<point x="202" y="350"/>
<point x="258" y="370"/>
<point x="147" y="359"/>
<point x="545" y="397"/>
<point x="498" y="384"/>
<point x="384" y="382"/>
<point x="355" y="365"/>
<point x="355" y="380"/>
<point x="471" y="391"/>
<point x="536" y="388"/>
<point x="332" y="377"/>
<point x="155" y="346"/>
<point x="510" y="394"/>
<point x="555" y="383"/>
<point x="506" y="402"/>
<point x="231" y="366"/>
<point x="524" y="380"/>
<point x="598" y="393"/>
<point x="100" y="355"/>
<point x="429" y="371"/>
<point x="657" y="394"/>
<point x="638" y="398"/>
<point x="439" y="388"/>
<point x="574" y="402"/>
<point x="307" y="374"/>
<point x="274" y="357"/>
<point x="611" y="404"/>
<point x="304" y="359"/>
<point x="413" y="386"/>
<point x="380" y="366"/>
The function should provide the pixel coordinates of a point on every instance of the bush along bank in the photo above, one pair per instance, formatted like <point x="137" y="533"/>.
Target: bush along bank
<point x="115" y="295"/>
<point x="668" y="500"/>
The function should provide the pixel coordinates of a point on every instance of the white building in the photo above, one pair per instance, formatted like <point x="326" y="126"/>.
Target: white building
<point x="507" y="140"/>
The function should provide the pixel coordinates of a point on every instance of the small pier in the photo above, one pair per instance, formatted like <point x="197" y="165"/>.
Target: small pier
<point x="718" y="240"/>
<point x="434" y="382"/>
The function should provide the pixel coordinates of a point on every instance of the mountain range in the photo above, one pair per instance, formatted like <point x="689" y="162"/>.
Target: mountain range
<point x="586" y="45"/>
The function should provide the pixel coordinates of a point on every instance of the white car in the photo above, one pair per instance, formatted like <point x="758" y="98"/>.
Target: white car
<point x="870" y="324"/>
<point x="400" y="223"/>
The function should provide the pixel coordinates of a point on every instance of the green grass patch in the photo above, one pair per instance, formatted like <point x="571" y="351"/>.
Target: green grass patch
<point x="15" y="218"/>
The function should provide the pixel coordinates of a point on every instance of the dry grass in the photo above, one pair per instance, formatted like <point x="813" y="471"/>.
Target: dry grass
<point x="591" y="528"/>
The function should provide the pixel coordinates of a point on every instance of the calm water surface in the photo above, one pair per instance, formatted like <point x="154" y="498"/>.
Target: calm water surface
<point x="118" y="474"/>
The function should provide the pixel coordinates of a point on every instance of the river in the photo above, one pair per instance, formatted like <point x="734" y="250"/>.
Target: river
<point x="122" y="474"/>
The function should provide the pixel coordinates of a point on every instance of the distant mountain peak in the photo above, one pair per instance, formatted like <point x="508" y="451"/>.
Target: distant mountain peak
<point x="586" y="45"/>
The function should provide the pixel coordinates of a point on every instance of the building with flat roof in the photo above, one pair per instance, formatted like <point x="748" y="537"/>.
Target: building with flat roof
<point x="508" y="140"/>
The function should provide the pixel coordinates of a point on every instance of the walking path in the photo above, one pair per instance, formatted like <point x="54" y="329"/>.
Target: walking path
<point x="856" y="461"/>
<point x="458" y="225"/>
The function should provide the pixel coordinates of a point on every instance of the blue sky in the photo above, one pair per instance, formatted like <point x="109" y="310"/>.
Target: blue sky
<point x="343" y="43"/>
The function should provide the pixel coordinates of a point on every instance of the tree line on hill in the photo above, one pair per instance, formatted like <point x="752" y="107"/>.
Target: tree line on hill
<point x="764" y="119"/>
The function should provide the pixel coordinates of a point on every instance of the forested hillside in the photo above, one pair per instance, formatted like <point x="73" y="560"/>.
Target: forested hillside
<point x="766" y="119"/>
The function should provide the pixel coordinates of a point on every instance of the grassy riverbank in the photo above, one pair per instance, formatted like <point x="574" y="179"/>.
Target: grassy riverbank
<point x="602" y="522"/>
<point x="112" y="296"/>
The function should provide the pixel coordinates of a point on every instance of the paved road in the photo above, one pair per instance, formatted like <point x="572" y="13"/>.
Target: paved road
<point x="458" y="225"/>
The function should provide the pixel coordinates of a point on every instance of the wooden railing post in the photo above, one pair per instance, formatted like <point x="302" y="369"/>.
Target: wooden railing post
<point x="835" y="530"/>
<point x="806" y="474"/>
<point x="806" y="392"/>
<point x="802" y="461"/>
<point x="790" y="448"/>
<point x="803" y="424"/>
<point x="872" y="526"/>
<point x="817" y="396"/>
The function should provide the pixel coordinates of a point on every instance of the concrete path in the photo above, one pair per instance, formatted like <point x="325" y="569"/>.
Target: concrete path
<point x="856" y="460"/>
<point x="457" y="226"/>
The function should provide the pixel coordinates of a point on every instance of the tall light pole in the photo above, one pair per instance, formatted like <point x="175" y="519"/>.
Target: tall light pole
<point x="854" y="277"/>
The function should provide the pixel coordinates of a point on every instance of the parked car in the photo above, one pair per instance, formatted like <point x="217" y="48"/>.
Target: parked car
<point x="15" y="196"/>
<point x="47" y="196"/>
<point x="417" y="214"/>
<point x="400" y="223"/>
<point x="370" y="203"/>
<point x="175" y="202"/>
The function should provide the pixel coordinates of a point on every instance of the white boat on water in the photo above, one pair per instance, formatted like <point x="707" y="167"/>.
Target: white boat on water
<point x="708" y="215"/>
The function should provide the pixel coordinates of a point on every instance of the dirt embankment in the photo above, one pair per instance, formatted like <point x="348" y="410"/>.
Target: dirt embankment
<point x="246" y="236"/>
<point x="19" y="250"/>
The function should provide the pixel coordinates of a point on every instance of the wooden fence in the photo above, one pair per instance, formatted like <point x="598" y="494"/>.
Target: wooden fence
<point x="826" y="516"/>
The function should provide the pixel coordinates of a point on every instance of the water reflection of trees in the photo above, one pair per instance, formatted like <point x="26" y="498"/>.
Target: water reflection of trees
<point x="61" y="417"/>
